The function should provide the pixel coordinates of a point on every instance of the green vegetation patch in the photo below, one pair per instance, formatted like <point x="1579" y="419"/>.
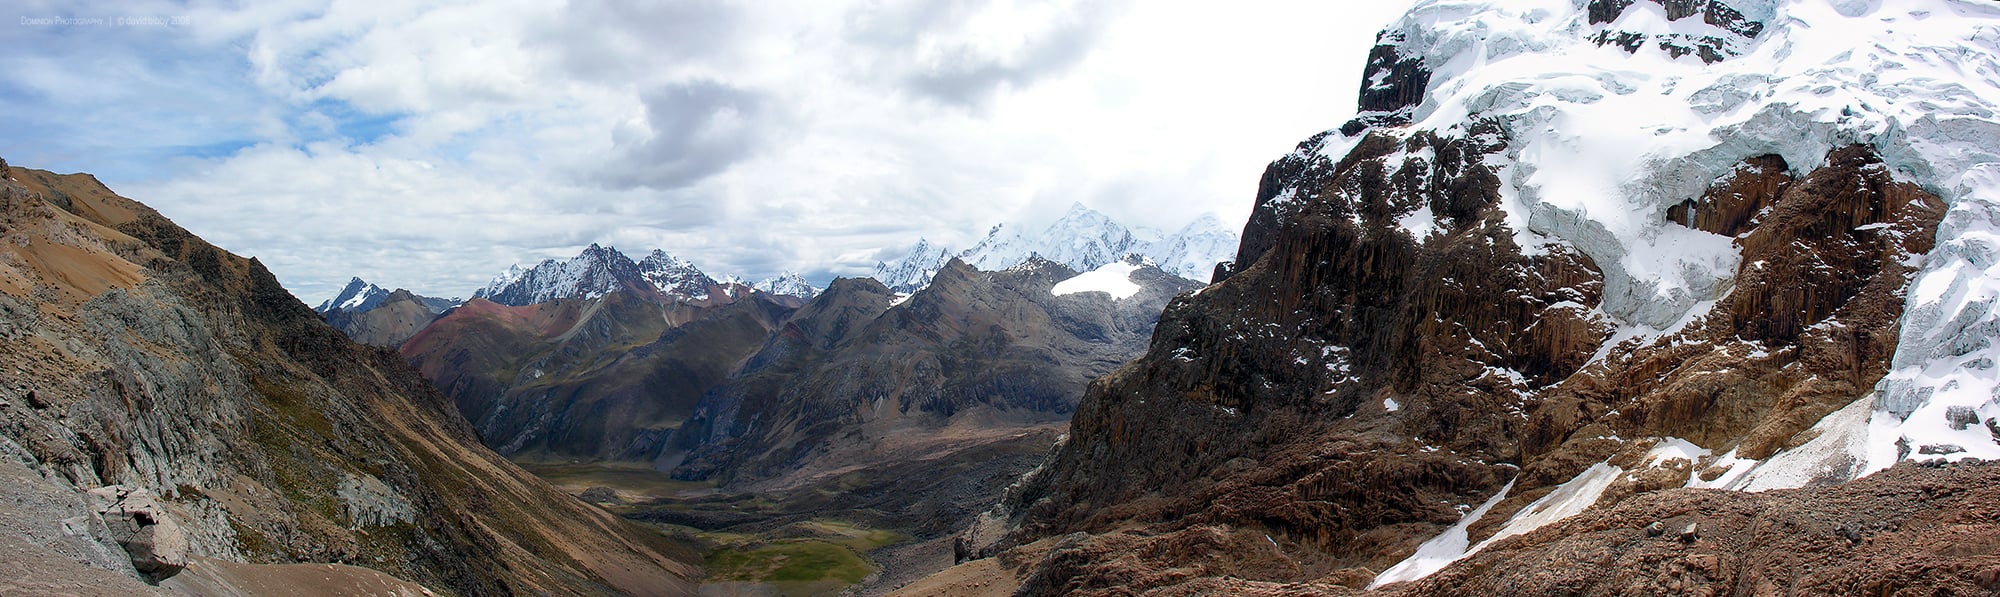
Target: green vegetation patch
<point x="633" y="478"/>
<point x="854" y="536"/>
<point x="788" y="561"/>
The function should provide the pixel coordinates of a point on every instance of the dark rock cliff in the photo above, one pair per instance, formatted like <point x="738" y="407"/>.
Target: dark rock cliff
<point x="1339" y="395"/>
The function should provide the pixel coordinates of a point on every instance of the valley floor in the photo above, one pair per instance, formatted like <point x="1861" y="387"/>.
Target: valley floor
<point x="867" y="530"/>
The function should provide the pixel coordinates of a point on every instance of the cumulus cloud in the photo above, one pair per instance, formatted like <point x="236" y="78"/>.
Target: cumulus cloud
<point x="967" y="70"/>
<point x="430" y="145"/>
<point x="695" y="129"/>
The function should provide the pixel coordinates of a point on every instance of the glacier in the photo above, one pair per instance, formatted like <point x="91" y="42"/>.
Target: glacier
<point x="1604" y="136"/>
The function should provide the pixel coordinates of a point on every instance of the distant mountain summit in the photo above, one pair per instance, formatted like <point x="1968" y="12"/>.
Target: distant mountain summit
<point x="358" y="296"/>
<point x="1082" y="240"/>
<point x="400" y="315"/>
<point x="600" y="270"/>
<point x="675" y="276"/>
<point x="595" y="272"/>
<point x="915" y="268"/>
<point x="787" y="284"/>
<point x="1194" y="251"/>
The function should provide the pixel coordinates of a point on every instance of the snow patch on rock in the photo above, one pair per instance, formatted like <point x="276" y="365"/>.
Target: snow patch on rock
<point x="1113" y="278"/>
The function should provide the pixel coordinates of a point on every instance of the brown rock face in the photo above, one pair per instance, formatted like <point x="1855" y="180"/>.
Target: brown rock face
<point x="1808" y="327"/>
<point x="1264" y="402"/>
<point x="1371" y="372"/>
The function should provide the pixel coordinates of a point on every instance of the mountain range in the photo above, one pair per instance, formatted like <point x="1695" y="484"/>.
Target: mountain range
<point x="1082" y="240"/>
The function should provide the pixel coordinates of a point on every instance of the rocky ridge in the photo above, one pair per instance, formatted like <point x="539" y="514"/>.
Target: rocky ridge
<point x="183" y="384"/>
<point x="852" y="378"/>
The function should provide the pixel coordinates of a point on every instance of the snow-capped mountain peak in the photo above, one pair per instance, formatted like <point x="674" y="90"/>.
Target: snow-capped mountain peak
<point x="1083" y="239"/>
<point x="1003" y="247"/>
<point x="1193" y="251"/>
<point x="358" y="296"/>
<point x="594" y="272"/>
<point x="675" y="276"/>
<point x="915" y="268"/>
<point x="788" y="284"/>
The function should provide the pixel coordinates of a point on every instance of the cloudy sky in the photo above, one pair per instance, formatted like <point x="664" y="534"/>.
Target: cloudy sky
<point x="430" y="145"/>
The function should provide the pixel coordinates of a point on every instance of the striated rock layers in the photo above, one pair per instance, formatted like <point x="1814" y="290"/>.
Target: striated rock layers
<point x="607" y="377"/>
<point x="134" y="355"/>
<point x="1392" y="353"/>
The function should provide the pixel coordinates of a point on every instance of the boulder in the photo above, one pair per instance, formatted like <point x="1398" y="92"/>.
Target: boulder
<point x="141" y="524"/>
<point x="601" y="495"/>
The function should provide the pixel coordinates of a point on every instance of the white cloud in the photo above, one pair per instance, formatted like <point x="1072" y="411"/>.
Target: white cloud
<point x="428" y="146"/>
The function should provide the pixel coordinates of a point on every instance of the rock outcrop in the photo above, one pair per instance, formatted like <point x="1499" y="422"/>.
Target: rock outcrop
<point x="1920" y="529"/>
<point x="1421" y="373"/>
<point x="136" y="355"/>
<point x="1728" y="29"/>
<point x="141" y="525"/>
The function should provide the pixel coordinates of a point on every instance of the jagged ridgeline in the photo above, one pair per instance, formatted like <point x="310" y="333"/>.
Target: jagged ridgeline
<point x="169" y="414"/>
<point x="1576" y="266"/>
